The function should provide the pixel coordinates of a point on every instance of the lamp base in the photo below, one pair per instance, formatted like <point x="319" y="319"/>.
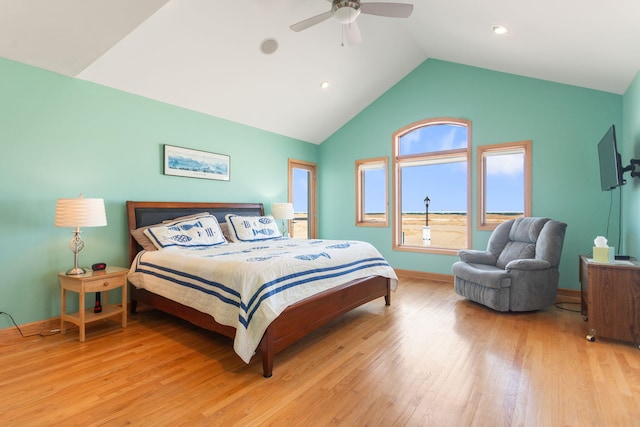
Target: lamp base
<point x="76" y="271"/>
<point x="76" y="246"/>
<point x="285" y="231"/>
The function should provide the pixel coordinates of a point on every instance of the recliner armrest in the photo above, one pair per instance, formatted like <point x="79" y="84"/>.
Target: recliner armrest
<point x="477" y="257"/>
<point x="528" y="264"/>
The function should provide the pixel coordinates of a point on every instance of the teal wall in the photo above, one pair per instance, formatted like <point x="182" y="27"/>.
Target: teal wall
<point x="62" y="136"/>
<point x="564" y="122"/>
<point x="631" y="150"/>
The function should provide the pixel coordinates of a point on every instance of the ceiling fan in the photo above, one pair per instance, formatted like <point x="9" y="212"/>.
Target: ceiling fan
<point x="346" y="12"/>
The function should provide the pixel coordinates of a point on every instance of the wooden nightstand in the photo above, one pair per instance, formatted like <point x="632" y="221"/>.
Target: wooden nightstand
<point x="611" y="299"/>
<point x="93" y="281"/>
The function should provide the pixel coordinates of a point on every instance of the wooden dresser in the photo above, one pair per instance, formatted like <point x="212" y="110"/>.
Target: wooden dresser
<point x="611" y="299"/>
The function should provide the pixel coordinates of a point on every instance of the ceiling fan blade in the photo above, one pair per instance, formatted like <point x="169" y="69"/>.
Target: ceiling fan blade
<point x="303" y="25"/>
<point x="392" y="10"/>
<point x="354" y="37"/>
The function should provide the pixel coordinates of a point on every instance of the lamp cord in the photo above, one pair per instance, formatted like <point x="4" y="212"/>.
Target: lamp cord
<point x="40" y="334"/>
<point x="559" y="306"/>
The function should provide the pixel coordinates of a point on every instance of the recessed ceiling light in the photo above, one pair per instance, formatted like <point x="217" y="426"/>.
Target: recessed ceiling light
<point x="500" y="29"/>
<point x="324" y="84"/>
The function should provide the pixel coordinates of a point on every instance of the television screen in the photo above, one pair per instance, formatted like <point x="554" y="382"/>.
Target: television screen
<point x="610" y="161"/>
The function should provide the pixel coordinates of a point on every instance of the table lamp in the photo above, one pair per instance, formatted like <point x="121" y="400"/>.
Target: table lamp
<point x="76" y="213"/>
<point x="283" y="211"/>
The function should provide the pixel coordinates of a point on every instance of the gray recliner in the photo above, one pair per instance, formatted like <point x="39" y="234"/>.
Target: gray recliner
<point x="519" y="269"/>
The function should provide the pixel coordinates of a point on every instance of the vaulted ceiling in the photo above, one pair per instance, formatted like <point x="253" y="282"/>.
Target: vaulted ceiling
<point x="205" y="55"/>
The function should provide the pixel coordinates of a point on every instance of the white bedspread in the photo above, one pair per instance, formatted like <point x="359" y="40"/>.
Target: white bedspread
<point x="247" y="285"/>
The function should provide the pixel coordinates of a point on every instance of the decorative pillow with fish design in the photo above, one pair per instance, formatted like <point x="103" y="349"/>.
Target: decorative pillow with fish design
<point x="252" y="228"/>
<point x="200" y="232"/>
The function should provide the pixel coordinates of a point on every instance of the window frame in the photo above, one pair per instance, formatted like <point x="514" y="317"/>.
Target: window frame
<point x="497" y="149"/>
<point x="361" y="166"/>
<point x="397" y="181"/>
<point x="312" y="202"/>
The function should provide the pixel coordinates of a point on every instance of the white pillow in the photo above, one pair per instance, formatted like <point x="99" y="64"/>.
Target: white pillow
<point x="252" y="228"/>
<point x="200" y="232"/>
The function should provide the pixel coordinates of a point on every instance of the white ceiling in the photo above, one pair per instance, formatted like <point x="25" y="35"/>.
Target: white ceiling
<point x="204" y="55"/>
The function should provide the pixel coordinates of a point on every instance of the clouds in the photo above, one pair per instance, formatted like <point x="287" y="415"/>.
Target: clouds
<point x="454" y="137"/>
<point x="508" y="165"/>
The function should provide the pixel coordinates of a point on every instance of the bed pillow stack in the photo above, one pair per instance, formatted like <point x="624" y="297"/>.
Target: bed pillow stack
<point x="252" y="228"/>
<point x="147" y="244"/>
<point x="199" y="232"/>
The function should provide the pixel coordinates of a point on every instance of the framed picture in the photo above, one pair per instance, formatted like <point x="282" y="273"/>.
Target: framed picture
<point x="180" y="161"/>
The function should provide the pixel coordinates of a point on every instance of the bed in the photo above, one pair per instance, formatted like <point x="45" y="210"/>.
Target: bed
<point x="288" y="324"/>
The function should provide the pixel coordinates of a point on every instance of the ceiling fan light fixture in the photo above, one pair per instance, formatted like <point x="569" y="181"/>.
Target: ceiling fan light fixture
<point x="345" y="11"/>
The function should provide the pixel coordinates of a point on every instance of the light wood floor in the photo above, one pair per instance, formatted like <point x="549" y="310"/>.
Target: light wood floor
<point x="430" y="359"/>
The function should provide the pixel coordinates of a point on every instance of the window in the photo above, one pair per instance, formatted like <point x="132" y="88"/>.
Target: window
<point x="504" y="184"/>
<point x="302" y="193"/>
<point x="371" y="192"/>
<point x="431" y="196"/>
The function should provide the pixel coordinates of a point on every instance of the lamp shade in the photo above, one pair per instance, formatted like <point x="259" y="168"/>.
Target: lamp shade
<point x="282" y="210"/>
<point x="80" y="212"/>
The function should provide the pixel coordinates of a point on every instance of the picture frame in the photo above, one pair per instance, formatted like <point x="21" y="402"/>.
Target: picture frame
<point x="187" y="162"/>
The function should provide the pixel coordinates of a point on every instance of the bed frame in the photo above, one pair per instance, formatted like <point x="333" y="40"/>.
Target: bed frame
<point x="293" y="323"/>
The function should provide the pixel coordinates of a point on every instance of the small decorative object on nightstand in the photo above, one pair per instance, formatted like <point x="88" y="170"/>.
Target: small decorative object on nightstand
<point x="95" y="281"/>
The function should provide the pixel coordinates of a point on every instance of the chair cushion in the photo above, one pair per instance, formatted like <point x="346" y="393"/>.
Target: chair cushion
<point x="515" y="250"/>
<point x="549" y="246"/>
<point x="482" y="274"/>
<point x="499" y="238"/>
<point x="522" y="240"/>
<point x="527" y="229"/>
<point x="477" y="257"/>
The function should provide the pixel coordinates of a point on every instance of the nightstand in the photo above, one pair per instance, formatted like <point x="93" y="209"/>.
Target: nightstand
<point x="93" y="281"/>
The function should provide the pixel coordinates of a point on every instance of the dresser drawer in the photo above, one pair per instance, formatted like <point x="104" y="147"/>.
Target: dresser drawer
<point x="104" y="284"/>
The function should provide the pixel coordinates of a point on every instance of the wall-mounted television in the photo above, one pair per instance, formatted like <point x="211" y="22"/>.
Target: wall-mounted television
<point x="611" y="168"/>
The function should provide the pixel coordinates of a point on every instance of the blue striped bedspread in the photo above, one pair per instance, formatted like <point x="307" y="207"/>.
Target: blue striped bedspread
<point x="248" y="285"/>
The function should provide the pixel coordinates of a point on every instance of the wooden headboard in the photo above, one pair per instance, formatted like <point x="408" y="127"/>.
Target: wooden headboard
<point x="140" y="214"/>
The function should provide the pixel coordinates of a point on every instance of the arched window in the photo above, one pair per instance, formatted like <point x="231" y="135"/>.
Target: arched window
<point x="431" y="197"/>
